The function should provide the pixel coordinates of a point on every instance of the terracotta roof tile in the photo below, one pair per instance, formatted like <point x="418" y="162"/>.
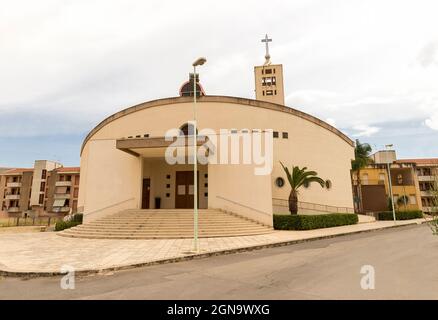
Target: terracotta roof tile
<point x="423" y="161"/>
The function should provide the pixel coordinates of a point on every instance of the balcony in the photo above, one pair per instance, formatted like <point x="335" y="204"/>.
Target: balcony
<point x="13" y="185"/>
<point x="427" y="193"/>
<point x="426" y="178"/>
<point x="13" y="209"/>
<point x="63" y="183"/>
<point x="62" y="196"/>
<point x="12" y="197"/>
<point x="61" y="209"/>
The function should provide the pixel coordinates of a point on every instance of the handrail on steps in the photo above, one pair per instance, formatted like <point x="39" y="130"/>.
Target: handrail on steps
<point x="110" y="206"/>
<point x="245" y="206"/>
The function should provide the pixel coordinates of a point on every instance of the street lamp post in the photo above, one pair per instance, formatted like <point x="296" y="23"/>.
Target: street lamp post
<point x="198" y="62"/>
<point x="388" y="146"/>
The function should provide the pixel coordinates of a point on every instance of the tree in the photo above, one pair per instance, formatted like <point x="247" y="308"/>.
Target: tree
<point x="298" y="178"/>
<point x="362" y="152"/>
<point x="402" y="201"/>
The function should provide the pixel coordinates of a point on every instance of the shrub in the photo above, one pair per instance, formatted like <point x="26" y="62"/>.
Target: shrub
<point x="309" y="222"/>
<point x="61" y="225"/>
<point x="77" y="217"/>
<point x="400" y="215"/>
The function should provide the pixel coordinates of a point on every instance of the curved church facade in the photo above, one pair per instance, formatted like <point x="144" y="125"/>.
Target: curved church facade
<point x="142" y="157"/>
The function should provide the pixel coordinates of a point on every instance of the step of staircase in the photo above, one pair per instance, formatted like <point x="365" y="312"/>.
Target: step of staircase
<point x="166" y="224"/>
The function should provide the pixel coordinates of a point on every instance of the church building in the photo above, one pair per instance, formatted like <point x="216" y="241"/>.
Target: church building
<point x="128" y="160"/>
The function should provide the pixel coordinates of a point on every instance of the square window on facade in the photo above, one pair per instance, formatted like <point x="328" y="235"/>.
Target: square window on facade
<point x="206" y="175"/>
<point x="206" y="194"/>
<point x="168" y="185"/>
<point x="269" y="92"/>
<point x="168" y="176"/>
<point x="275" y="134"/>
<point x="268" y="71"/>
<point x="285" y="135"/>
<point x="167" y="195"/>
<point x="206" y="185"/>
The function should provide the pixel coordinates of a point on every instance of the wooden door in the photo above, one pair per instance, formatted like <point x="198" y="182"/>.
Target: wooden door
<point x="146" y="193"/>
<point x="184" y="190"/>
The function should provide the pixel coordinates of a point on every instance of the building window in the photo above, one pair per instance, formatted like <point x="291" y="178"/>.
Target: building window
<point x="187" y="129"/>
<point x="412" y="199"/>
<point x="43" y="174"/>
<point x="68" y="178"/>
<point x="268" y="71"/>
<point x="263" y="92"/>
<point x="77" y="180"/>
<point x="279" y="182"/>
<point x="167" y="195"/>
<point x="146" y="135"/>
<point x="168" y="176"/>
<point x="206" y="194"/>
<point x="76" y="192"/>
<point x="42" y="186"/>
<point x="285" y="135"/>
<point x="206" y="185"/>
<point x="41" y="199"/>
<point x="168" y="185"/>
<point x="269" y="92"/>
<point x="275" y="134"/>
<point x="75" y="206"/>
<point x="206" y="175"/>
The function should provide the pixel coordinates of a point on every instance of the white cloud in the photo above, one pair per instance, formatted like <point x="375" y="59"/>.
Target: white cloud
<point x="432" y="122"/>
<point x="76" y="62"/>
<point x="365" y="131"/>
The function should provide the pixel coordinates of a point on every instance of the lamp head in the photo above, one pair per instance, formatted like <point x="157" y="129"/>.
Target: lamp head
<point x="199" y="62"/>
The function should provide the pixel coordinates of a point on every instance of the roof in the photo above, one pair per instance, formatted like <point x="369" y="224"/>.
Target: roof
<point x="68" y="169"/>
<point x="226" y="99"/>
<point x="17" y="171"/>
<point x="422" y="161"/>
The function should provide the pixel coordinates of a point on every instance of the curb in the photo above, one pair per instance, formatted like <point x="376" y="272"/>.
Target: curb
<point x="32" y="274"/>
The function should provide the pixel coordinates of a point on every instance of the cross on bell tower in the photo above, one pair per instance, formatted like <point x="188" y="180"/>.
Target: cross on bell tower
<point x="269" y="79"/>
<point x="266" y="40"/>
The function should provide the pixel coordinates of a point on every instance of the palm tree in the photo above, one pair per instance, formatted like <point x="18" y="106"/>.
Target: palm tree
<point x="298" y="178"/>
<point x="362" y="153"/>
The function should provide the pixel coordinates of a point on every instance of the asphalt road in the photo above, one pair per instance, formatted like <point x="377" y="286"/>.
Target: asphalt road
<point x="405" y="262"/>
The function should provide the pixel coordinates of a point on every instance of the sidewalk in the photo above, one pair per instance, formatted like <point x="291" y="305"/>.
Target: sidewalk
<point x="44" y="254"/>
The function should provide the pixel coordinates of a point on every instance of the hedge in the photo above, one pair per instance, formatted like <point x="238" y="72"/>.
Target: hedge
<point x="400" y="215"/>
<point x="75" y="220"/>
<point x="309" y="222"/>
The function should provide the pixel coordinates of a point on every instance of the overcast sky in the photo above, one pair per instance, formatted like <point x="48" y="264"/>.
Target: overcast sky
<point x="370" y="68"/>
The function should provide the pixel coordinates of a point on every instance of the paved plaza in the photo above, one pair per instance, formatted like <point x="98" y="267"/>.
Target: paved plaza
<point x="46" y="253"/>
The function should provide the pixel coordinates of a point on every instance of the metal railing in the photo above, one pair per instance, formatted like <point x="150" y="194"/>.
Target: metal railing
<point x="283" y="206"/>
<point x="88" y="214"/>
<point x="243" y="205"/>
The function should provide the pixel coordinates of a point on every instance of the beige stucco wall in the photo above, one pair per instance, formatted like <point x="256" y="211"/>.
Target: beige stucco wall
<point x="110" y="182"/>
<point x="109" y="175"/>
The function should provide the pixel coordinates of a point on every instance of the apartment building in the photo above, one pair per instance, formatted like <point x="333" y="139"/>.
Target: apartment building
<point x="46" y="189"/>
<point x="371" y="185"/>
<point x="427" y="174"/>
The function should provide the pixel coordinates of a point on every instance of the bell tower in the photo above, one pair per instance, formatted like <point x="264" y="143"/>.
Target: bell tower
<point x="269" y="79"/>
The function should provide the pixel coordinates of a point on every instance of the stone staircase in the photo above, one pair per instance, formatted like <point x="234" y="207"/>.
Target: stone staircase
<point x="166" y="224"/>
